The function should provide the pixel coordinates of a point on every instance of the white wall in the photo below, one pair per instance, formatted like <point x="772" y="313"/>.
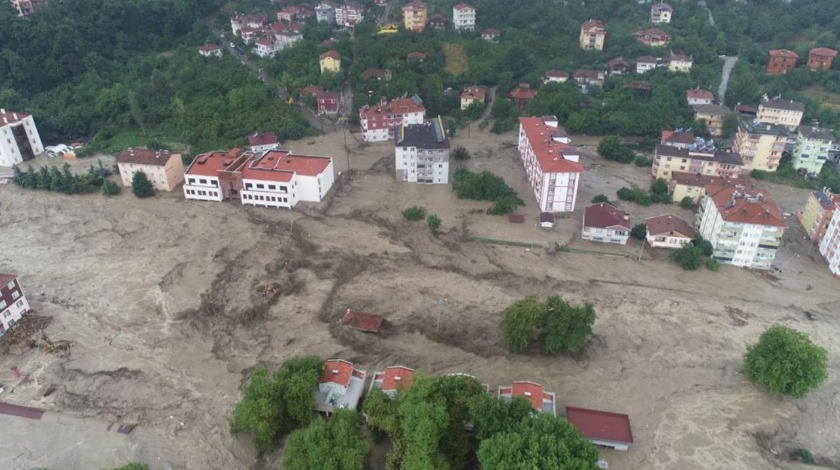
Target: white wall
<point x="266" y="193"/>
<point x="14" y="311"/>
<point x="202" y="188"/>
<point x="314" y="188"/>
<point x="9" y="151"/>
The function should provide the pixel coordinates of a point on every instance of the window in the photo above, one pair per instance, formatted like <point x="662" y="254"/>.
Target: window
<point x="191" y="180"/>
<point x="15" y="295"/>
<point x="19" y="303"/>
<point x="3" y="305"/>
<point x="260" y="186"/>
<point x="202" y="181"/>
<point x="11" y="285"/>
<point x="272" y="187"/>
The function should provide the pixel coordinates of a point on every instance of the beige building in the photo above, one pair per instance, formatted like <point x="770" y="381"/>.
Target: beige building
<point x="713" y="115"/>
<point x="760" y="145"/>
<point x="472" y="94"/>
<point x="787" y="113"/>
<point x="680" y="63"/>
<point x="330" y="62"/>
<point x="165" y="170"/>
<point x="414" y="16"/>
<point x="592" y="35"/>
<point x="668" y="231"/>
<point x="693" y="185"/>
<point x="700" y="157"/>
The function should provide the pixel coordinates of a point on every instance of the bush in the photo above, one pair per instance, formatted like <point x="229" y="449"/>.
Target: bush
<point x="705" y="246"/>
<point x="460" y="153"/>
<point x="110" y="188"/>
<point x="803" y="455"/>
<point x="786" y="361"/>
<point x="713" y="265"/>
<point x="186" y="159"/>
<point x="639" y="231"/>
<point x="611" y="148"/>
<point x="486" y="186"/>
<point x="564" y="326"/>
<point x="687" y="203"/>
<point x="637" y="195"/>
<point x="600" y="199"/>
<point x="642" y="161"/>
<point x="688" y="256"/>
<point x="141" y="186"/>
<point x="659" y="186"/>
<point x="434" y="222"/>
<point x="758" y="175"/>
<point x="414" y="213"/>
<point x="520" y="322"/>
<point x="505" y="205"/>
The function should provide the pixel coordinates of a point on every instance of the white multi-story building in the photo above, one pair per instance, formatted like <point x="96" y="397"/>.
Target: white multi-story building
<point x="13" y="304"/>
<point x="379" y="122"/>
<point x="210" y="177"/>
<point x="661" y="13"/>
<point x="325" y="13"/>
<point x="786" y="113"/>
<point x="830" y="244"/>
<point x="744" y="226"/>
<point x="463" y="17"/>
<point x="267" y="46"/>
<point x="422" y="153"/>
<point x="278" y="178"/>
<point x="552" y="167"/>
<point x="349" y="15"/>
<point x="19" y="139"/>
<point x="813" y="145"/>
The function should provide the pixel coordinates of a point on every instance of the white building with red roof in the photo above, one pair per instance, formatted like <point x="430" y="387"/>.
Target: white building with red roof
<point x="13" y="304"/>
<point x="341" y="386"/>
<point x="262" y="141"/>
<point x="668" y="231"/>
<point x="552" y="167"/>
<point x="210" y="50"/>
<point x="205" y="178"/>
<point x="379" y="122"/>
<point x="541" y="400"/>
<point x="697" y="97"/>
<point x="19" y="139"/>
<point x="605" y="223"/>
<point x="392" y="380"/>
<point x="238" y="22"/>
<point x="279" y="178"/>
<point x="602" y="428"/>
<point x="267" y="46"/>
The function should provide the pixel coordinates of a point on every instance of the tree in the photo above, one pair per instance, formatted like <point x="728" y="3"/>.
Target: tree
<point x="786" y="361"/>
<point x="461" y="153"/>
<point x="687" y="203"/>
<point x="705" y="246"/>
<point x="491" y="415"/>
<point x="688" y="256"/>
<point x="141" y="186"/>
<point x="730" y="125"/>
<point x="414" y="213"/>
<point x="659" y="186"/>
<point x="133" y="466"/>
<point x="110" y="188"/>
<point x="434" y="222"/>
<point x="520" y="323"/>
<point x="600" y="199"/>
<point x="566" y="326"/>
<point x="325" y="445"/>
<point x="610" y="147"/>
<point x="713" y="265"/>
<point x="639" y="231"/>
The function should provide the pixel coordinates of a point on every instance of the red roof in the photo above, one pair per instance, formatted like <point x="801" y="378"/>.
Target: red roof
<point x="310" y="90"/>
<point x="473" y="92"/>
<point x="332" y="54"/>
<point x="523" y="92"/>
<point x="823" y="52"/>
<point x="463" y="6"/>
<point x="596" y="424"/>
<point x="736" y="204"/>
<point x="604" y="215"/>
<point x="669" y="224"/>
<point x="280" y="166"/>
<point x="337" y="371"/>
<point x="783" y="53"/>
<point x="395" y="377"/>
<point x="593" y="24"/>
<point x="210" y="163"/>
<point x="700" y="94"/>
<point x="417" y="55"/>
<point x="397" y="106"/>
<point x="264" y="138"/>
<point x="677" y="137"/>
<point x="490" y="32"/>
<point x="531" y="391"/>
<point x="209" y="48"/>
<point x="549" y="153"/>
<point x="362" y="321"/>
<point x="329" y="95"/>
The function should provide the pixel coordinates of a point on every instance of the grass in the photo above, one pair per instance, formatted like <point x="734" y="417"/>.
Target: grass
<point x="456" y="59"/>
<point x="133" y="138"/>
<point x="826" y="98"/>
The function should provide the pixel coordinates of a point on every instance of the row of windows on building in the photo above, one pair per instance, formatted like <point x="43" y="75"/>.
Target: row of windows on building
<point x="270" y="187"/>
<point x="3" y="305"/>
<point x="256" y="197"/>
<point x="198" y="192"/>
<point x="202" y="181"/>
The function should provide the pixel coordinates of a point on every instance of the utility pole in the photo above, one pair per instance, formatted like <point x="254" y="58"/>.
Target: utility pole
<point x="441" y="306"/>
<point x="641" y="249"/>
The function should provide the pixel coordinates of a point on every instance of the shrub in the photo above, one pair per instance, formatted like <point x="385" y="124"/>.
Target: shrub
<point x="786" y="361"/>
<point x="642" y="161"/>
<point x="687" y="203"/>
<point x="758" y="175"/>
<point x="505" y="205"/>
<point x="460" y="153"/>
<point x="637" y="195"/>
<point x="520" y="322"/>
<point x="659" y="186"/>
<point x="434" y="222"/>
<point x="688" y="256"/>
<point x="713" y="265"/>
<point x="110" y="188"/>
<point x="705" y="246"/>
<point x="600" y="199"/>
<point x="639" y="231"/>
<point x="414" y="213"/>
<point x="141" y="186"/>
<point x="486" y="186"/>
<point x="803" y="455"/>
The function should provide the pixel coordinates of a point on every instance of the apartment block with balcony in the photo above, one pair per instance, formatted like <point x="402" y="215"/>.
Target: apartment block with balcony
<point x="13" y="303"/>
<point x="463" y="17"/>
<point x="379" y="122"/>
<point x="830" y="243"/>
<point x="422" y="153"/>
<point x="19" y="138"/>
<point x="592" y="35"/>
<point x="787" y="113"/>
<point x="414" y="16"/>
<point x="812" y="148"/>
<point x="713" y="115"/>
<point x="817" y="213"/>
<point x="760" y="145"/>
<point x="700" y="157"/>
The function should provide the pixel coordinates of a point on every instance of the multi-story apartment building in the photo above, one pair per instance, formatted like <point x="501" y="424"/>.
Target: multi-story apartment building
<point x="463" y="17"/>
<point x="661" y="13"/>
<point x="19" y="139"/>
<point x="713" y="115"/>
<point x="760" y="145"/>
<point x="780" y="61"/>
<point x="692" y="185"/>
<point x="787" y="113"/>
<point x="817" y="213"/>
<point x="13" y="304"/>
<point x="812" y="147"/>
<point x="379" y="122"/>
<point x="830" y="243"/>
<point x="553" y="168"/>
<point x="325" y="12"/>
<point x="701" y="157"/>
<point x="27" y="7"/>
<point x="821" y="58"/>
<point x="592" y="35"/>
<point x="414" y="16"/>
<point x="422" y="153"/>
<point x="165" y="170"/>
<point x="745" y="227"/>
<point x="266" y="46"/>
<point x="350" y="14"/>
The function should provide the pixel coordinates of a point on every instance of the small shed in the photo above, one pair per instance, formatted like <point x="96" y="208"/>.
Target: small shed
<point x="367" y="322"/>
<point x="547" y="219"/>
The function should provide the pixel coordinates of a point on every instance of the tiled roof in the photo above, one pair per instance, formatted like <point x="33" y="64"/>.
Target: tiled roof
<point x="11" y="118"/>
<point x="668" y="224"/>
<point x="646" y="59"/>
<point x="394" y="377"/>
<point x="662" y="7"/>
<point x="523" y="92"/>
<point x="557" y="74"/>
<point x="755" y="127"/>
<point x="146" y="156"/>
<point x="262" y="138"/>
<point x="210" y="163"/>
<point x="281" y="165"/>
<point x="652" y="32"/>
<point x="712" y="109"/>
<point x="817" y="133"/>
<point x="593" y="24"/>
<point x="474" y="92"/>
<point x="783" y="53"/>
<point x="823" y="51"/>
<point x="700" y="94"/>
<point x="310" y="90"/>
<point x="463" y="6"/>
<point x="549" y="153"/>
<point x="397" y="106"/>
<point x="337" y="371"/>
<point x="329" y="95"/>
<point x="362" y="321"/>
<point x="530" y="391"/>
<point x="596" y="424"/>
<point x="209" y="48"/>
<point x="6" y="278"/>
<point x="490" y="32"/>
<point x="331" y="54"/>
<point x="373" y="73"/>
<point x="588" y="73"/>
<point x="737" y="204"/>
<point x="677" y="137"/>
<point x="604" y="215"/>
<point x="679" y="58"/>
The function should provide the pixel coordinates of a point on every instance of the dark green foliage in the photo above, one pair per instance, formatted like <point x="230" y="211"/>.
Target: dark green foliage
<point x="687" y="203"/>
<point x="601" y="198"/>
<point x="273" y="405"/>
<point x="637" y="195"/>
<point x="461" y="153"/>
<point x="688" y="256"/>
<point x="786" y="361"/>
<point x="611" y="148"/>
<point x="642" y="161"/>
<point x="337" y="443"/>
<point x="730" y="125"/>
<point x="520" y="322"/>
<point x="433" y="221"/>
<point x="803" y="455"/>
<point x="490" y="415"/>
<point x="659" y="186"/>
<point x="110" y="188"/>
<point x="141" y="186"/>
<point x="133" y="466"/>
<point x="758" y="174"/>
<point x="639" y="231"/>
<point x="560" y="326"/>
<point x="50" y="178"/>
<point x="186" y="159"/>
<point x="705" y="246"/>
<point x="486" y="186"/>
<point x="505" y="205"/>
<point x="414" y="213"/>
<point x="713" y="265"/>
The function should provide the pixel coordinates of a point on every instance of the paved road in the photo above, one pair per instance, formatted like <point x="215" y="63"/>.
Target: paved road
<point x="20" y="411"/>
<point x="728" y="65"/>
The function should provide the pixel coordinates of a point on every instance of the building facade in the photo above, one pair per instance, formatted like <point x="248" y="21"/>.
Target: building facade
<point x="349" y="15"/>
<point x="551" y="166"/>
<point x="463" y="17"/>
<point x="691" y="185"/>
<point x="414" y="16"/>
<point x="422" y="153"/>
<point x="392" y="380"/>
<point x="19" y="138"/>
<point x="645" y="63"/>
<point x="698" y="97"/>
<point x="606" y="224"/>
<point x="701" y="157"/>
<point x="379" y="122"/>
<point x="745" y="227"/>
<point x="279" y="178"/>
<point x="821" y="58"/>
<point x="592" y="35"/>
<point x="760" y="145"/>
<point x="830" y="243"/>
<point x="713" y="115"/>
<point x="812" y="148"/>
<point x="165" y="170"/>
<point x="653" y="37"/>
<point x="330" y="61"/>
<point x="13" y="303"/>
<point x="341" y="386"/>
<point x="680" y="63"/>
<point x="325" y="13"/>
<point x="661" y="13"/>
<point x="210" y="50"/>
<point x="781" y="61"/>
<point x="470" y="95"/>
<point x="817" y="213"/>
<point x="787" y="113"/>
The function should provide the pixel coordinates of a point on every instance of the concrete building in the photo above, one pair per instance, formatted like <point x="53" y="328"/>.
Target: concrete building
<point x="542" y="401"/>
<point x="210" y="50"/>
<point x="606" y="224"/>
<point x="281" y="179"/>
<point x="558" y="76"/>
<point x="28" y="7"/>
<point x="392" y="380"/>
<point x="330" y="61"/>
<point x="713" y="115"/>
<point x="602" y="428"/>
<point x="13" y="303"/>
<point x="668" y="231"/>
<point x="414" y="16"/>
<point x="760" y="145"/>
<point x="341" y="386"/>
<point x="350" y="14"/>
<point x="215" y="176"/>
<point x="692" y="185"/>
<point x="325" y="12"/>
<point x="653" y="37"/>
<point x="266" y="46"/>
<point x="817" y="213"/>
<point x="329" y="102"/>
<point x="678" y="138"/>
<point x="379" y="122"/>
<point x="262" y="141"/>
<point x="463" y="17"/>
<point x="821" y="58"/>
<point x="698" y="97"/>
<point x="422" y="153"/>
<point x="812" y="147"/>
<point x="701" y="157"/>
<point x="551" y="166"/>
<point x="745" y="227"/>
<point x="19" y="138"/>
<point x="165" y="170"/>
<point x="238" y="22"/>
<point x="592" y="35"/>
<point x="830" y="243"/>
<point x="472" y="94"/>
<point x="646" y="63"/>
<point x="787" y="113"/>
<point x="661" y="13"/>
<point x="680" y="63"/>
<point x="780" y="61"/>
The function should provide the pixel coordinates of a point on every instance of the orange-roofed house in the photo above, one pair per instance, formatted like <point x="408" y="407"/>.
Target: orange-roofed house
<point x="602" y="428"/>
<point x="780" y="61"/>
<point x="341" y="386"/>
<point x="210" y="50"/>
<point x="470" y="95"/>
<point x="551" y="166"/>
<point x="541" y="400"/>
<point x="744" y="226"/>
<point x="392" y="380"/>
<point x="653" y="37"/>
<point x="592" y="35"/>
<point x="522" y="95"/>
<point x="379" y="122"/>
<point x="821" y="58"/>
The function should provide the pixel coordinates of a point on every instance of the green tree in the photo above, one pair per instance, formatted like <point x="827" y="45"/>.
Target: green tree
<point x="491" y="415"/>
<point x="520" y="323"/>
<point x="110" y="188"/>
<point x="687" y="203"/>
<point x="610" y="147"/>
<point x="434" y="222"/>
<point x="688" y="256"/>
<point x="786" y="361"/>
<point x="133" y="466"/>
<point x="414" y="213"/>
<point x="705" y="246"/>
<point x="461" y="153"/>
<point x="639" y="231"/>
<point x="600" y="199"/>
<point x="730" y="125"/>
<point x="566" y="326"/>
<point x="326" y="445"/>
<point x="659" y="186"/>
<point x="141" y="186"/>
<point x="713" y="265"/>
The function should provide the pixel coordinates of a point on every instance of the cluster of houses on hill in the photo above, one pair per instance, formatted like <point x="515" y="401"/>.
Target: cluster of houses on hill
<point x="416" y="17"/>
<point x="267" y="38"/>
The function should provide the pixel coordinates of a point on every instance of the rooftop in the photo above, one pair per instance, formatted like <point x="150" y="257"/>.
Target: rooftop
<point x="281" y="165"/>
<point x="596" y="424"/>
<point x="549" y="153"/>
<point x="604" y="215"/>
<point x="533" y="392"/>
<point x="368" y="322"/>
<point x="755" y="127"/>
<point x="817" y="133"/>
<point x="652" y="32"/>
<point x="209" y="47"/>
<point x="783" y="53"/>
<point x="331" y="54"/>
<point x="593" y="24"/>
<point x="337" y="371"/>
<point x="680" y="58"/>
<point x="429" y="135"/>
<point x="695" y="179"/>
<point x="678" y="136"/>
<point x="787" y="105"/>
<point x="557" y="74"/>
<point x="463" y="6"/>
<point x="396" y="106"/>
<point x="6" y="278"/>
<point x="393" y="378"/>
<point x="145" y="156"/>
<point x="739" y="205"/>
<point x="473" y="92"/>
<point x="523" y="92"/>
<point x="712" y="109"/>
<point x="210" y="163"/>
<point x="662" y="7"/>
<point x="262" y="138"/>
<point x="646" y="59"/>
<point x="668" y="224"/>
<point x="699" y="94"/>
<point x="11" y="118"/>
<point x="823" y="51"/>
<point x="704" y="153"/>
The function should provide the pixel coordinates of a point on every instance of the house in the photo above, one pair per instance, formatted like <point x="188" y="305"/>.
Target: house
<point x="329" y="102"/>
<point x="165" y="170"/>
<point x="262" y="141"/>
<point x="310" y="90"/>
<point x="521" y="96"/>
<point x="813" y="144"/>
<point x="817" y="213"/>
<point x="642" y="86"/>
<point x="490" y="34"/>
<point x="618" y="66"/>
<point x="392" y="380"/>
<point x="422" y="153"/>
<point x="605" y="223"/>
<point x="379" y="122"/>
<point x="287" y="37"/>
<point x="414" y="16"/>
<point x="27" y="7"/>
<point x="780" y="61"/>
<point x="325" y="12"/>
<point x="680" y="63"/>
<point x="542" y="401"/>
<point x="558" y="76"/>
<point x="653" y="37"/>
<point x="661" y="13"/>
<point x="692" y="185"/>
<point x="547" y="219"/>
<point x="668" y="231"/>
<point x="587" y="78"/>
<point x="592" y="35"/>
<point x="13" y="303"/>
<point x="19" y="138"/>
<point x="376" y="74"/>
<point x="437" y="21"/>
<point x="238" y="22"/>
<point x="250" y="35"/>
<point x="713" y="115"/>
<point x="349" y="15"/>
<point x="210" y="50"/>
<point x="744" y="226"/>
<point x="678" y="138"/>
<point x="463" y="17"/>
<point x="367" y="322"/>
<point x="830" y="244"/>
<point x="820" y="58"/>
<point x="746" y="111"/>
<point x="389" y="28"/>
<point x="215" y="176"/>
<point x="279" y="178"/>
<point x="417" y="56"/>
<point x="472" y="94"/>
<point x="645" y="63"/>
<point x="266" y="46"/>
<point x="787" y="113"/>
<point x="551" y="166"/>
<point x="602" y="428"/>
<point x="697" y="97"/>
<point x="341" y="386"/>
<point x="760" y="145"/>
<point x="700" y="157"/>
<point x="330" y="62"/>
<point x="288" y="13"/>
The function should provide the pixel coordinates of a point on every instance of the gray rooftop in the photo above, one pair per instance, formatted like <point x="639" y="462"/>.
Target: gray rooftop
<point x="719" y="156"/>
<point x="755" y="127"/>
<point x="713" y="109"/>
<point x="429" y="135"/>
<point x="816" y="133"/>
<point x="788" y="105"/>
